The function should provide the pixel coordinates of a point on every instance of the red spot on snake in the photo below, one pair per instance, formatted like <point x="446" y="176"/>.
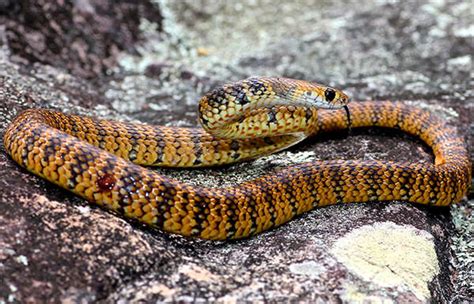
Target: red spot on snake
<point x="106" y="182"/>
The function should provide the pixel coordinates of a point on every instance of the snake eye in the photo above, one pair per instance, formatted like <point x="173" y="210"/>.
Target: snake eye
<point x="330" y="94"/>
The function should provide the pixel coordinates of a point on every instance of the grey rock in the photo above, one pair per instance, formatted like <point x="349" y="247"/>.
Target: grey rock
<point x="150" y="62"/>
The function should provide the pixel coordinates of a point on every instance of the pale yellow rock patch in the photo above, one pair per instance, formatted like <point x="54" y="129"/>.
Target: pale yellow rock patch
<point x="198" y="273"/>
<point x="390" y="255"/>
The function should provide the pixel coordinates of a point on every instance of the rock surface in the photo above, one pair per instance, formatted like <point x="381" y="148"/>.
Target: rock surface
<point x="150" y="62"/>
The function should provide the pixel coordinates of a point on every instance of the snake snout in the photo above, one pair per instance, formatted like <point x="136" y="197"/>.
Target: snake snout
<point x="341" y="100"/>
<point x="334" y="98"/>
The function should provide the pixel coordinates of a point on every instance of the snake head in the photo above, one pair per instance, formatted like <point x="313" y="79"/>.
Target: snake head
<point x="326" y="97"/>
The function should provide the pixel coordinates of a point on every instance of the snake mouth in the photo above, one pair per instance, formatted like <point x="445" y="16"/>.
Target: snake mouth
<point x="349" y="121"/>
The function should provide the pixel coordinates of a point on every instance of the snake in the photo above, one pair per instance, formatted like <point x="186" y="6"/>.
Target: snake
<point x="107" y="162"/>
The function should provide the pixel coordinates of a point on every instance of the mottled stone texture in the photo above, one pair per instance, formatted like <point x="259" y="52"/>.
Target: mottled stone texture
<point x="150" y="62"/>
<point x="81" y="36"/>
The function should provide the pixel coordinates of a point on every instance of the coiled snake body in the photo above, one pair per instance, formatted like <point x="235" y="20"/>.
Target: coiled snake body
<point x="99" y="160"/>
